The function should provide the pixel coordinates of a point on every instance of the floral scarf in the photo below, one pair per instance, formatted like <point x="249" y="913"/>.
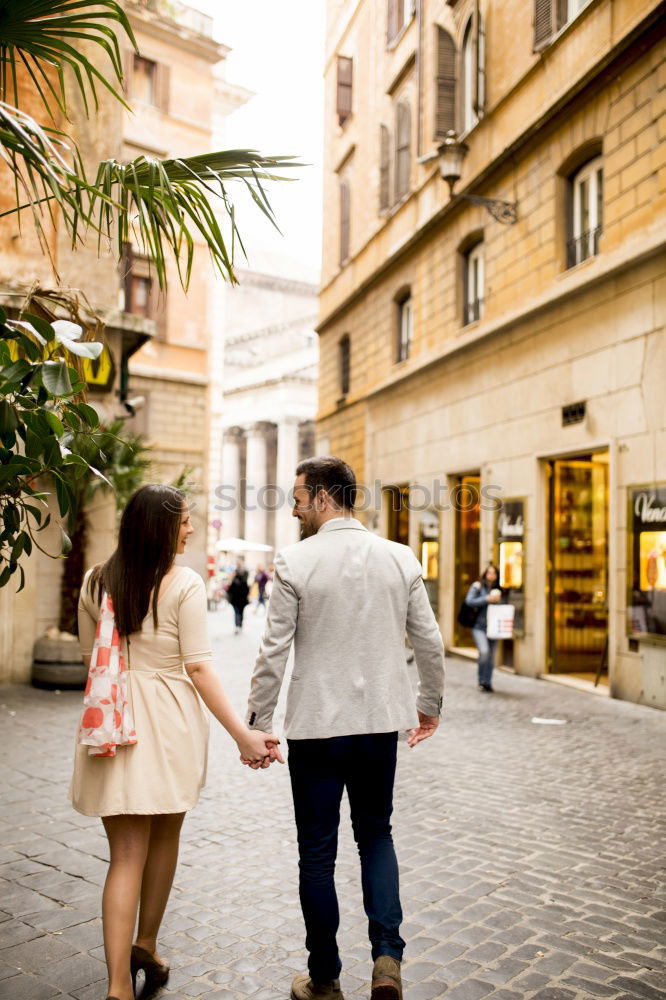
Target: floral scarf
<point x="107" y="721"/>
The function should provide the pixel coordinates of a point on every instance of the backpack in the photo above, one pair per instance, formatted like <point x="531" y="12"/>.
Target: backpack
<point x="467" y="615"/>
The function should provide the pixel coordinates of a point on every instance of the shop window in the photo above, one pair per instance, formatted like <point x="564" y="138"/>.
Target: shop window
<point x="345" y="221"/>
<point x="646" y="576"/>
<point x="344" y="91"/>
<point x="586" y="194"/>
<point x="384" y="168"/>
<point x="403" y="149"/>
<point x="473" y="283"/>
<point x="344" y="356"/>
<point x="397" y="501"/>
<point x="404" y="326"/>
<point x="399" y="13"/>
<point x="445" y="110"/>
<point x="550" y="16"/>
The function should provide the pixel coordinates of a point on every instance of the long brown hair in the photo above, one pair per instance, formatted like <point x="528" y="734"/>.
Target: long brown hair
<point x="147" y="543"/>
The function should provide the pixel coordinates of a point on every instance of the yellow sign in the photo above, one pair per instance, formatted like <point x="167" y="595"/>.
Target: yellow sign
<point x="100" y="372"/>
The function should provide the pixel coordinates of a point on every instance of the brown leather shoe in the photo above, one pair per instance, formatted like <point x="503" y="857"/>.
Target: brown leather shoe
<point x="302" y="988"/>
<point x="386" y="979"/>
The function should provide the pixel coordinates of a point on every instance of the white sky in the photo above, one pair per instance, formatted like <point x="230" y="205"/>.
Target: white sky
<point x="278" y="53"/>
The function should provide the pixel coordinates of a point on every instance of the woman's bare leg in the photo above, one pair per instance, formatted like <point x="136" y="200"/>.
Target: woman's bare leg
<point x="129" y="837"/>
<point x="158" y="874"/>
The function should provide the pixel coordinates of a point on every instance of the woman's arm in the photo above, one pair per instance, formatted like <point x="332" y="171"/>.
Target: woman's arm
<point x="255" y="746"/>
<point x="475" y="596"/>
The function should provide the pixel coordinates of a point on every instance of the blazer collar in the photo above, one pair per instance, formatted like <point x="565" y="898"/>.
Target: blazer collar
<point x="341" y="522"/>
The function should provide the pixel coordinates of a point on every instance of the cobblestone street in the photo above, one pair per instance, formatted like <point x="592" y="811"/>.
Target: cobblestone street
<point x="530" y="855"/>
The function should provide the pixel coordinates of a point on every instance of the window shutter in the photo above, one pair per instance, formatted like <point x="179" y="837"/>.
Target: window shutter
<point x="480" y="59"/>
<point x="403" y="131"/>
<point x="392" y="20"/>
<point x="345" y="364"/>
<point x="162" y="86"/>
<point x="543" y="22"/>
<point x="128" y="71"/>
<point x="445" y="113"/>
<point x="344" y="96"/>
<point x="384" y="167"/>
<point x="561" y="13"/>
<point x="345" y="205"/>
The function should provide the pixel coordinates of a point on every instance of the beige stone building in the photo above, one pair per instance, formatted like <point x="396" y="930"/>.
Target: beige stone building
<point x="497" y="379"/>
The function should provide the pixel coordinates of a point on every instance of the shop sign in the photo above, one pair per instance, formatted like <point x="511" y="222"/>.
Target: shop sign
<point x="510" y="557"/>
<point x="646" y="599"/>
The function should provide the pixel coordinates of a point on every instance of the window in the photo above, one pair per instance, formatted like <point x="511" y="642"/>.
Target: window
<point x="404" y="338"/>
<point x="550" y="16"/>
<point x="384" y="168"/>
<point x="403" y="150"/>
<point x="139" y="293"/>
<point x="344" y="98"/>
<point x="344" y="349"/>
<point x="445" y="111"/>
<point x="147" y="81"/>
<point x="473" y="284"/>
<point x="469" y="116"/>
<point x="586" y="212"/>
<point x="399" y="14"/>
<point x="396" y="499"/>
<point x="345" y="214"/>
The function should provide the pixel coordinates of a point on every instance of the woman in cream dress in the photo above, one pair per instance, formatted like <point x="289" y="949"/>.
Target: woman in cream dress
<point x="144" y="791"/>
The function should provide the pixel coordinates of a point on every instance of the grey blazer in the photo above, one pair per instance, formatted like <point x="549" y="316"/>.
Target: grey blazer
<point x="346" y="597"/>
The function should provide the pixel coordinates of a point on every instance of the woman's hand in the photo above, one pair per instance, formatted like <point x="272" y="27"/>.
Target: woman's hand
<point x="259" y="750"/>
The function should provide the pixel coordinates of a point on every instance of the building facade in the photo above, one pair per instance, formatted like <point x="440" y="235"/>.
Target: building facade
<point x="270" y="401"/>
<point x="492" y="361"/>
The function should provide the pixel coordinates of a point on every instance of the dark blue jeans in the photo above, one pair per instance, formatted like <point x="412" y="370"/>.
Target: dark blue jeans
<point x="486" y="648"/>
<point x="320" y="770"/>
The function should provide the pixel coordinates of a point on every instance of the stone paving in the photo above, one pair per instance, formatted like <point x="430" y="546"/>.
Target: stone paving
<point x="530" y="855"/>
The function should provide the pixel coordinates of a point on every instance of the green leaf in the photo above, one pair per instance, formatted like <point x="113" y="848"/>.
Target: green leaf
<point x="55" y="376"/>
<point x="66" y="542"/>
<point x="8" y="419"/>
<point x="22" y="575"/>
<point x="41" y="325"/>
<point x="16" y="372"/>
<point x="52" y="453"/>
<point x="35" y="511"/>
<point x="18" y="546"/>
<point x="87" y="413"/>
<point x="4" y="576"/>
<point x="54" y="423"/>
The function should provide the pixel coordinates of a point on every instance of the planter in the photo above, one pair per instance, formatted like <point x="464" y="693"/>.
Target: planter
<point x="57" y="664"/>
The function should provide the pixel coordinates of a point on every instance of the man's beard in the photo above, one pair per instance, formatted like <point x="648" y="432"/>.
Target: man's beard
<point x="307" y="529"/>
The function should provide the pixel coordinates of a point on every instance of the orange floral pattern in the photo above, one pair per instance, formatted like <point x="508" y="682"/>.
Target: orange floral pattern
<point x="107" y="721"/>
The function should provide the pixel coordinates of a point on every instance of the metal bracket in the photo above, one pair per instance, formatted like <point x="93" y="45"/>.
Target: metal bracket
<point x="505" y="212"/>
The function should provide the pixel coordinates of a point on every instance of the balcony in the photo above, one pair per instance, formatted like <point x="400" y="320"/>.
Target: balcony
<point x="583" y="246"/>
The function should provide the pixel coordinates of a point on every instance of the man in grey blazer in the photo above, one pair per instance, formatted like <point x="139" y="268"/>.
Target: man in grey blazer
<point x="345" y="597"/>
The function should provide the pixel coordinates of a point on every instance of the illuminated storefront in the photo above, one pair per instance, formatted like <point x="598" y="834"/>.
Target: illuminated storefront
<point x="646" y="562"/>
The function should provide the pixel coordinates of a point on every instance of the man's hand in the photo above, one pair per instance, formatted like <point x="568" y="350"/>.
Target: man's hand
<point x="273" y="755"/>
<point x="427" y="726"/>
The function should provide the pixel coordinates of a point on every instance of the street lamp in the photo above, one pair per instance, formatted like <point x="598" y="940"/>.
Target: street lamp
<point x="451" y="154"/>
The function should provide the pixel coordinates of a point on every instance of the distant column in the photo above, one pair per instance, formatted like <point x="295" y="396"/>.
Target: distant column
<point x="286" y="526"/>
<point x="255" y="490"/>
<point x="231" y="443"/>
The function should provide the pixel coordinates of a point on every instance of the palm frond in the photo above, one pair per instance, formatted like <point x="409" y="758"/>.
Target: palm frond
<point x="44" y="37"/>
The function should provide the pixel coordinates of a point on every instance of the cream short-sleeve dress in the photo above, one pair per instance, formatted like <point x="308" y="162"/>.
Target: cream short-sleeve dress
<point x="165" y="770"/>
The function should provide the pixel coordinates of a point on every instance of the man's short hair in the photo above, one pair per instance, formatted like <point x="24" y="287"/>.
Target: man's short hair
<point x="326" y="472"/>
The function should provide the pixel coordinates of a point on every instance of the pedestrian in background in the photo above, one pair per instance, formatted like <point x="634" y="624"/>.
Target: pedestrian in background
<point x="482" y="593"/>
<point x="142" y="751"/>
<point x="346" y="597"/>
<point x="261" y="578"/>
<point x="238" y="594"/>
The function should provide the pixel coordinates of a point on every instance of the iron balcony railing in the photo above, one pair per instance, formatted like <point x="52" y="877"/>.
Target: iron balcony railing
<point x="583" y="246"/>
<point x="473" y="311"/>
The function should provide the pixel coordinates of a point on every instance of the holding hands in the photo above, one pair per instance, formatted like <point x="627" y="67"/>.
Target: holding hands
<point x="259" y="750"/>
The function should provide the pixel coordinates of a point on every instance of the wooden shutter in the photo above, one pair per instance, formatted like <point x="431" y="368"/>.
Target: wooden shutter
<point x="384" y="167"/>
<point x="392" y="20"/>
<point x="479" y="62"/>
<point x="445" y="111"/>
<point x="162" y="83"/>
<point x="403" y="150"/>
<point x="345" y="212"/>
<point x="344" y="95"/>
<point x="543" y="22"/>
<point x="128" y="71"/>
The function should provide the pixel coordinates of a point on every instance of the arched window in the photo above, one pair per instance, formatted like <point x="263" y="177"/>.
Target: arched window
<point x="384" y="168"/>
<point x="404" y="325"/>
<point x="344" y="357"/>
<point x="469" y="115"/>
<point x="586" y="202"/>
<point x="403" y="149"/>
<point x="345" y="218"/>
<point x="445" y="110"/>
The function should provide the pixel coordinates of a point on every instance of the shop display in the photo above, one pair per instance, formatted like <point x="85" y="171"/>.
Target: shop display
<point x="510" y="557"/>
<point x="646" y="600"/>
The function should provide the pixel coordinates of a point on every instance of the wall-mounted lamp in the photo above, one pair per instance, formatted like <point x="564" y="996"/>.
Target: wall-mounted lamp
<point x="451" y="154"/>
